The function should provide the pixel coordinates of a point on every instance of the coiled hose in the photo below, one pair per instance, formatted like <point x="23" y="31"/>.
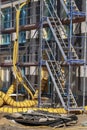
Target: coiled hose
<point x="6" y="99"/>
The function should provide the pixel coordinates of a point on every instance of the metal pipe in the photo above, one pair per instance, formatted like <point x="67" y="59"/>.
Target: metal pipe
<point x="70" y="42"/>
<point x="85" y="47"/>
<point x="40" y="50"/>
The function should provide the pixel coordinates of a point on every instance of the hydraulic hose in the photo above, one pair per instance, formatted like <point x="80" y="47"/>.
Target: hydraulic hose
<point x="51" y="110"/>
<point x="9" y="101"/>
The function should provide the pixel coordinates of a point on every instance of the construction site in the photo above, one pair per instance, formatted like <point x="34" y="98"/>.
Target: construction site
<point x="43" y="52"/>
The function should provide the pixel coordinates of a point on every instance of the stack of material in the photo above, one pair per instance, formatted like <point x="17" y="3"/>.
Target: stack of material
<point x="41" y="118"/>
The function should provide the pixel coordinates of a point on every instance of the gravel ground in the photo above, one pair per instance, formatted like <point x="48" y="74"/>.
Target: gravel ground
<point x="6" y="124"/>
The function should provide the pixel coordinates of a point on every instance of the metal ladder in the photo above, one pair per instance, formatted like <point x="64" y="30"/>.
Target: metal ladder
<point x="59" y="34"/>
<point x="58" y="77"/>
<point x="50" y="55"/>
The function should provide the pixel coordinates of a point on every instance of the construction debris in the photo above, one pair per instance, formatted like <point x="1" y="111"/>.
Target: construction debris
<point x="41" y="118"/>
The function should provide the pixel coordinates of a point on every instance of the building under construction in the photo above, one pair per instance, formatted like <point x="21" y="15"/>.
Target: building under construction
<point x="43" y="52"/>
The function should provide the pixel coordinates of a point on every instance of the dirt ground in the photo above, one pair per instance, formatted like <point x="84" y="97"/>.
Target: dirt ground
<point x="6" y="124"/>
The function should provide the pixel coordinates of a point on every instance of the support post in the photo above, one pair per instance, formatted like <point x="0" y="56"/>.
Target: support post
<point x="85" y="47"/>
<point x="40" y="50"/>
<point x="0" y="21"/>
<point x="70" y="53"/>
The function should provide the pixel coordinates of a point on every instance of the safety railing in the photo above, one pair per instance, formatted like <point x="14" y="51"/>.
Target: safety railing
<point x="58" y="77"/>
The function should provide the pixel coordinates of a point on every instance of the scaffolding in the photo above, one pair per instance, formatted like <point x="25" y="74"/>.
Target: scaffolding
<point x="51" y="57"/>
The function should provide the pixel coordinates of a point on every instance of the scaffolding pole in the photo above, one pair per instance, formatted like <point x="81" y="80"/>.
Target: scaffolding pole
<point x="85" y="47"/>
<point x="0" y="20"/>
<point x="70" y="42"/>
<point x="40" y="52"/>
